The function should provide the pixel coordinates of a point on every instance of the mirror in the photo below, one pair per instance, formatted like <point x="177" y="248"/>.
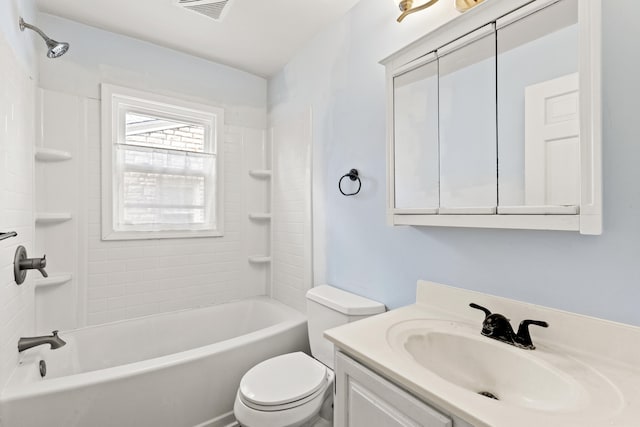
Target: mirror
<point x="468" y="124"/>
<point x="538" y="112"/>
<point x="416" y="137"/>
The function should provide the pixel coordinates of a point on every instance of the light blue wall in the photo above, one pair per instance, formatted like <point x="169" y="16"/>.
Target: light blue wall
<point x="97" y="56"/>
<point x="23" y="43"/>
<point x="338" y="74"/>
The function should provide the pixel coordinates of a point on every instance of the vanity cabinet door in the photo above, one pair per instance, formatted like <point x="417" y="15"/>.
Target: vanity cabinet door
<point x="468" y="144"/>
<point x="415" y="136"/>
<point x="538" y="111"/>
<point x="364" y="399"/>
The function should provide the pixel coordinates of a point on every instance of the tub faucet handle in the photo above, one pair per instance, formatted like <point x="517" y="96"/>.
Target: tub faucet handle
<point x="43" y="264"/>
<point x="22" y="263"/>
<point x="35" y="264"/>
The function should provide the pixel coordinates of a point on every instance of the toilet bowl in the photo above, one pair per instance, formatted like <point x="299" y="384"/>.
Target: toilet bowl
<point x="285" y="391"/>
<point x="295" y="389"/>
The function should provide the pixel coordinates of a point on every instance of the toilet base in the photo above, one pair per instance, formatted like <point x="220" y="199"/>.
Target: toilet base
<point x="321" y="422"/>
<point x="323" y="414"/>
<point x="316" y="422"/>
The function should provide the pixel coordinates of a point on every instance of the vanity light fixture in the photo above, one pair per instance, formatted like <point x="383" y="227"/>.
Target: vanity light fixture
<point x="464" y="5"/>
<point x="407" y="6"/>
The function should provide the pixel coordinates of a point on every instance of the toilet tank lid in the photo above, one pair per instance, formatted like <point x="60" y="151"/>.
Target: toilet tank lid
<point x="344" y="302"/>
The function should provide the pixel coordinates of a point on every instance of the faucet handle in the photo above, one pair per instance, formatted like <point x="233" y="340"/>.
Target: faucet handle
<point x="41" y="265"/>
<point x="540" y="323"/>
<point x="486" y="311"/>
<point x="523" y="337"/>
<point x="21" y="263"/>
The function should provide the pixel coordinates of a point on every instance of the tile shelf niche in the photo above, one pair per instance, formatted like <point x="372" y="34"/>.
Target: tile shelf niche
<point x="50" y="155"/>
<point x="265" y="217"/>
<point x="43" y="218"/>
<point x="260" y="173"/>
<point x="262" y="216"/>
<point x="53" y="280"/>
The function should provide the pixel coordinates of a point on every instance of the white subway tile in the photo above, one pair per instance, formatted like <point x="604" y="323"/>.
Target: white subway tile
<point x="137" y="278"/>
<point x="17" y="115"/>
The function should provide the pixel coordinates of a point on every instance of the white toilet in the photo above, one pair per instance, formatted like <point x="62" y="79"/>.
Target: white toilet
<point x="296" y="390"/>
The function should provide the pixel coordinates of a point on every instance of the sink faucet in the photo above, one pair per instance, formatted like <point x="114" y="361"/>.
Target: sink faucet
<point x="499" y="328"/>
<point x="54" y="340"/>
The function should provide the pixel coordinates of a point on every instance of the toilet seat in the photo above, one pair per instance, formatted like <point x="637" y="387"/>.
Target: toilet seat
<point x="283" y="382"/>
<point x="300" y="413"/>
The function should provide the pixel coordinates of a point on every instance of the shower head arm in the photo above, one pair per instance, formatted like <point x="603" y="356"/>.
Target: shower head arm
<point x="24" y="25"/>
<point x="55" y="49"/>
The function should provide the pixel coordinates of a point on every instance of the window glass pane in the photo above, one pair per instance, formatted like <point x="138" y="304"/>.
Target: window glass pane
<point x="164" y="189"/>
<point x="161" y="172"/>
<point x="149" y="159"/>
<point x="149" y="131"/>
<point x="146" y="193"/>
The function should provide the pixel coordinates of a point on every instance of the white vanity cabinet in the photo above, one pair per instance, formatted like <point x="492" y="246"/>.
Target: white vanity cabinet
<point x="365" y="399"/>
<point x="494" y="120"/>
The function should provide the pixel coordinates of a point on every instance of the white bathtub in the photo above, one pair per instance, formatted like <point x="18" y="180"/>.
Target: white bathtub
<point x="173" y="370"/>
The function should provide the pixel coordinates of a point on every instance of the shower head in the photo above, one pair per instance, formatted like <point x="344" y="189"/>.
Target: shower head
<point x="55" y="49"/>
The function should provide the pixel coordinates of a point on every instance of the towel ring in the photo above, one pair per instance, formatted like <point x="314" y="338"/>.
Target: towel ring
<point x="353" y="176"/>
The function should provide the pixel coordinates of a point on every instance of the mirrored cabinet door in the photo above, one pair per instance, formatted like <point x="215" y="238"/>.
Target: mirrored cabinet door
<point x="416" y="137"/>
<point x="538" y="111"/>
<point x="468" y="182"/>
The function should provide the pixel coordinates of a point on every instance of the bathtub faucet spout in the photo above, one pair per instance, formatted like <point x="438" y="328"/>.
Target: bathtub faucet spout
<point x="54" y="340"/>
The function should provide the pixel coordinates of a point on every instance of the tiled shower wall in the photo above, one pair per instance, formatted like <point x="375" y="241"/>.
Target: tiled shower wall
<point x="17" y="113"/>
<point x="134" y="278"/>
<point x="291" y="242"/>
<point x="118" y="280"/>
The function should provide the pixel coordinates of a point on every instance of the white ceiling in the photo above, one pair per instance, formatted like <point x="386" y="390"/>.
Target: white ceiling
<point x="258" y="36"/>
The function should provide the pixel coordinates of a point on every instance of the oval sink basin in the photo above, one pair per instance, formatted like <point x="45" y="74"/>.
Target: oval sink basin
<point x="457" y="353"/>
<point x="480" y="366"/>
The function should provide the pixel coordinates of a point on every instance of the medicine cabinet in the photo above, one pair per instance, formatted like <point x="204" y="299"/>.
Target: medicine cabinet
<point x="494" y="120"/>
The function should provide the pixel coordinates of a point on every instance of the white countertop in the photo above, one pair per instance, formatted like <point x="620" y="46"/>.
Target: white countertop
<point x="600" y="355"/>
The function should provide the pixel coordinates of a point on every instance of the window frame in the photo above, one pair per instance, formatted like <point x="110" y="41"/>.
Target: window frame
<point x="116" y="98"/>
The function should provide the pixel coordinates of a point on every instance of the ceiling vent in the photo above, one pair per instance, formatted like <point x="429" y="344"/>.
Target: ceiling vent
<point x="214" y="9"/>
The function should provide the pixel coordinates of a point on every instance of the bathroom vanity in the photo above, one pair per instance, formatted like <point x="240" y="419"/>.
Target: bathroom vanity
<point x="429" y="365"/>
<point x="366" y="399"/>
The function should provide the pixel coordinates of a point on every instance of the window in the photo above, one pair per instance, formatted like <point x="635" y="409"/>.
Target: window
<point x="161" y="166"/>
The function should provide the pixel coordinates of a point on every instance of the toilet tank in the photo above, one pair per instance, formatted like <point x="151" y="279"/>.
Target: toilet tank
<point x="328" y="307"/>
